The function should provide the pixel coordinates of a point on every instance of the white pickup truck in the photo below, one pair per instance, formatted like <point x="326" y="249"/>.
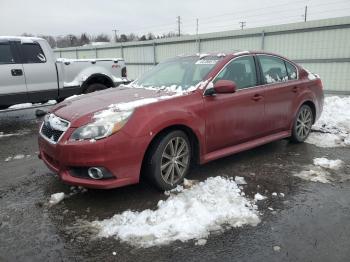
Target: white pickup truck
<point x="30" y="72"/>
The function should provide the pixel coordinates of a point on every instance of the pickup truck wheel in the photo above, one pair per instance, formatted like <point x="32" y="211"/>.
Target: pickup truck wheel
<point x="169" y="160"/>
<point x="94" y="87"/>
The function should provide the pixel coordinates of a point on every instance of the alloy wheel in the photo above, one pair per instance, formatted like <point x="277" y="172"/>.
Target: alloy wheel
<point x="304" y="122"/>
<point x="175" y="160"/>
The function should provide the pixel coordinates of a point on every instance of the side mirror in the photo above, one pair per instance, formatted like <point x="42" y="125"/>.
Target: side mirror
<point x="225" y="87"/>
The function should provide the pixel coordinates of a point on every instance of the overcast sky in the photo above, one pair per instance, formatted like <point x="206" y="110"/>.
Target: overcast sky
<point x="62" y="17"/>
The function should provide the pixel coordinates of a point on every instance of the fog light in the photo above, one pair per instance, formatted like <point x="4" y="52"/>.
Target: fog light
<point x="95" y="173"/>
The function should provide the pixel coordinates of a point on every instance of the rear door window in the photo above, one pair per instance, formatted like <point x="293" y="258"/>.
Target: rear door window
<point x="273" y="69"/>
<point x="6" y="56"/>
<point x="32" y="53"/>
<point x="241" y="70"/>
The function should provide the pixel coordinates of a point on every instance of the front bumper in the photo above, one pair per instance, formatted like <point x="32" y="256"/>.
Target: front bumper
<point x="121" y="154"/>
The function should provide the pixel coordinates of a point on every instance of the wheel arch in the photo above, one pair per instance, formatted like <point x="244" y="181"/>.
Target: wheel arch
<point x="97" y="78"/>
<point x="311" y="104"/>
<point x="194" y="140"/>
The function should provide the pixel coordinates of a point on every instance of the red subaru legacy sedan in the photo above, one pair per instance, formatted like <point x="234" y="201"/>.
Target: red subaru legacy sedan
<point x="185" y="110"/>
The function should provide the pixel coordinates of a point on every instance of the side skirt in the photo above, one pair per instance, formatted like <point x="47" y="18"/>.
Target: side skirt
<point x="244" y="146"/>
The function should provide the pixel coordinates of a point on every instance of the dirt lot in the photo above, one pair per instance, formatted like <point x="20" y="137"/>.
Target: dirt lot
<point x="310" y="223"/>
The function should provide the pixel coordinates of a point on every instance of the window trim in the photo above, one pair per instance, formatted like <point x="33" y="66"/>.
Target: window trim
<point x="22" y="53"/>
<point x="296" y="70"/>
<point x="284" y="62"/>
<point x="235" y="58"/>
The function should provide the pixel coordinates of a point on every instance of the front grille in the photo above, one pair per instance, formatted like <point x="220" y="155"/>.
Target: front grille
<point x="53" y="128"/>
<point x="50" y="133"/>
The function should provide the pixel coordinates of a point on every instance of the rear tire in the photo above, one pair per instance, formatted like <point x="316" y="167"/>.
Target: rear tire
<point x="94" y="87"/>
<point x="168" y="160"/>
<point x="302" y="124"/>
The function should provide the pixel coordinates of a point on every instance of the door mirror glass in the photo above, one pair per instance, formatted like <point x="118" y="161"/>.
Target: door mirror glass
<point x="225" y="87"/>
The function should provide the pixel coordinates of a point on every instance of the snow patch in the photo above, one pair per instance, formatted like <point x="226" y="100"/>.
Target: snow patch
<point x="18" y="157"/>
<point x="21" y="133"/>
<point x="329" y="164"/>
<point x="326" y="140"/>
<point x="240" y="180"/>
<point x="315" y="175"/>
<point x="259" y="197"/>
<point x="319" y="172"/>
<point x="56" y="198"/>
<point x="73" y="96"/>
<point x="191" y="214"/>
<point x="28" y="105"/>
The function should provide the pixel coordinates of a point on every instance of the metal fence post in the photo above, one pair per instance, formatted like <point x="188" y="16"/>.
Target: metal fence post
<point x="76" y="53"/>
<point x="262" y="40"/>
<point x="60" y="54"/>
<point x="198" y="44"/>
<point x="154" y="53"/>
<point x="96" y="55"/>
<point x="122" y="50"/>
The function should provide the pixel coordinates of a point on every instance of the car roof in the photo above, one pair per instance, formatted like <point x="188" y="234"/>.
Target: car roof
<point x="232" y="53"/>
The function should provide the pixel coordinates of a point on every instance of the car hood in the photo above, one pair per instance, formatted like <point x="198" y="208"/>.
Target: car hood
<point x="80" y="109"/>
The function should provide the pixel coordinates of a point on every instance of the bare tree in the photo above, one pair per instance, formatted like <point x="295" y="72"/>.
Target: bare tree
<point x="102" y="38"/>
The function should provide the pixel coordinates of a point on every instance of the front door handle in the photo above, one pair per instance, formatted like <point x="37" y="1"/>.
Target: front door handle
<point x="257" y="97"/>
<point x="16" y="72"/>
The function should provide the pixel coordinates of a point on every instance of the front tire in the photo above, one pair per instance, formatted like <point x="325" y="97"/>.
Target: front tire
<point x="169" y="159"/>
<point x="302" y="124"/>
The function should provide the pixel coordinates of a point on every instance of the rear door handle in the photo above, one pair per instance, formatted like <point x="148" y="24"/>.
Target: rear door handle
<point x="16" y="72"/>
<point x="257" y="97"/>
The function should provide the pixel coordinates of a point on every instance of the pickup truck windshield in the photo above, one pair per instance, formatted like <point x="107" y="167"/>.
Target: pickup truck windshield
<point x="182" y="72"/>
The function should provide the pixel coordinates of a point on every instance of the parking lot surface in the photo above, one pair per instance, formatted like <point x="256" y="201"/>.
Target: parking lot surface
<point x="308" y="222"/>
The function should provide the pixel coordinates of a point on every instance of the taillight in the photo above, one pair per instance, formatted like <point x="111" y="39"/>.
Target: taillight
<point x="124" y="74"/>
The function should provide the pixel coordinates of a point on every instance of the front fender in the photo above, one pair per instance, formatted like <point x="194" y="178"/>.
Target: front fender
<point x="152" y="119"/>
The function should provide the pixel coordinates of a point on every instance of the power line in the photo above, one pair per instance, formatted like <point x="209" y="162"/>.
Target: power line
<point x="249" y="17"/>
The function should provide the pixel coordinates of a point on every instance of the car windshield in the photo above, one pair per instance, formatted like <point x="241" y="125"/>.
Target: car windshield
<point x="180" y="72"/>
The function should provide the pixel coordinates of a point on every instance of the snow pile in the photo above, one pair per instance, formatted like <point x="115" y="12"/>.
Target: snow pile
<point x="319" y="172"/>
<point x="56" y="198"/>
<point x="333" y="127"/>
<point x="190" y="214"/>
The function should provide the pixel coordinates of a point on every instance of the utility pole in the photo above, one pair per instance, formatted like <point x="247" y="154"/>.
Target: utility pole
<point x="178" y="25"/>
<point x="243" y="24"/>
<point x="197" y="26"/>
<point x="115" y="34"/>
<point x="305" y="14"/>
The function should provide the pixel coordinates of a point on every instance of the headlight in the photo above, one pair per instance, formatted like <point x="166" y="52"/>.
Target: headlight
<point x="105" y="123"/>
